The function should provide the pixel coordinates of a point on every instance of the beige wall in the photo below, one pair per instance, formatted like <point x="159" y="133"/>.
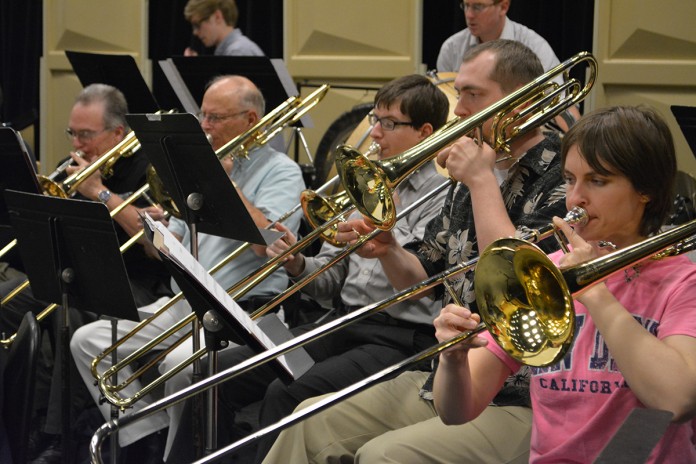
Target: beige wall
<point x="349" y="43"/>
<point x="647" y="54"/>
<point x="86" y="26"/>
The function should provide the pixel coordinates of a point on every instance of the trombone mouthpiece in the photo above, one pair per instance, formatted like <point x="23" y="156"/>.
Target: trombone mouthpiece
<point x="577" y="216"/>
<point x="374" y="149"/>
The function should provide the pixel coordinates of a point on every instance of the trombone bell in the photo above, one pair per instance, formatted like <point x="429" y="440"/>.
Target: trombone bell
<point x="319" y="210"/>
<point x="524" y="299"/>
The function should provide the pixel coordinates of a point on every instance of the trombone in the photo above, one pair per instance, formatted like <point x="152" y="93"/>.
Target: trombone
<point x="370" y="184"/>
<point x="539" y="273"/>
<point x="49" y="186"/>
<point x="368" y="189"/>
<point x="287" y="113"/>
<point x="126" y="147"/>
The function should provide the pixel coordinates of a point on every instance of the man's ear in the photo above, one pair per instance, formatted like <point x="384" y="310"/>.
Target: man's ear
<point x="252" y="117"/>
<point x="218" y="17"/>
<point x="425" y="130"/>
<point x="504" y="6"/>
<point x="120" y="132"/>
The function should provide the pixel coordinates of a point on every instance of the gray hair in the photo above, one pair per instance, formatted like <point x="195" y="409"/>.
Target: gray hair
<point x="115" y="106"/>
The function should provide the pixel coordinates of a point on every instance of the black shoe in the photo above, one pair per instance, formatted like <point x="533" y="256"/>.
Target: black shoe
<point x="53" y="453"/>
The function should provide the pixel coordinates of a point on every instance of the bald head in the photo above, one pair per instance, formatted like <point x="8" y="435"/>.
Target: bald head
<point x="238" y="90"/>
<point x="231" y="105"/>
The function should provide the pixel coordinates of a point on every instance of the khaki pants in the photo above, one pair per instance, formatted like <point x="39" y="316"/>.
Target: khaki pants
<point x="390" y="423"/>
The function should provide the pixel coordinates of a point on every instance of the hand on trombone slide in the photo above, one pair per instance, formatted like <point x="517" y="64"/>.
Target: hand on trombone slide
<point x="92" y="185"/>
<point x="452" y="321"/>
<point x="294" y="264"/>
<point x="351" y="230"/>
<point x="467" y="160"/>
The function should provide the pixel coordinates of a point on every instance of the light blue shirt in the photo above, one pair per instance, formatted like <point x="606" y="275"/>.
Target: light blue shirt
<point x="237" y="44"/>
<point x="272" y="182"/>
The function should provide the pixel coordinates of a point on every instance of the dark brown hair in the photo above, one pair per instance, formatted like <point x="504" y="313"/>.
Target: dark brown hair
<point x="418" y="98"/>
<point x="634" y="142"/>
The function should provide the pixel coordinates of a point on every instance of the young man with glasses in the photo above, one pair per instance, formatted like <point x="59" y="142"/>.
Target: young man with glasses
<point x="396" y="421"/>
<point x="214" y="22"/>
<point x="407" y="110"/>
<point x="269" y="183"/>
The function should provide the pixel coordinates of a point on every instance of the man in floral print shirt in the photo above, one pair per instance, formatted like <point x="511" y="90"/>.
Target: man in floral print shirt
<point x="391" y="422"/>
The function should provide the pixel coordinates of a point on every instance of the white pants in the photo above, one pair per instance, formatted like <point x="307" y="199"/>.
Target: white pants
<point x="92" y="339"/>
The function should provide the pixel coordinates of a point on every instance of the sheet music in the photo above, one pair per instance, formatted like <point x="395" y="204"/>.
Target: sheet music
<point x="169" y="245"/>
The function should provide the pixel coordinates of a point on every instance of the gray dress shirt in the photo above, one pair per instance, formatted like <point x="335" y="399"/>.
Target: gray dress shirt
<point x="361" y="281"/>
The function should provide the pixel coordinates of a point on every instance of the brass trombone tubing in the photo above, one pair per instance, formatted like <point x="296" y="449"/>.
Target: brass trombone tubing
<point x="178" y="296"/>
<point x="288" y="112"/>
<point x="109" y="390"/>
<point x="8" y="247"/>
<point x="375" y="180"/>
<point x="343" y="394"/>
<point x="345" y="252"/>
<point x="69" y="185"/>
<point x="49" y="178"/>
<point x="245" y="285"/>
<point x="296" y="342"/>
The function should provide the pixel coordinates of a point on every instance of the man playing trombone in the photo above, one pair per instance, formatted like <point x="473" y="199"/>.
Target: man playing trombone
<point x="97" y="124"/>
<point x="406" y="111"/>
<point x="268" y="182"/>
<point x="396" y="421"/>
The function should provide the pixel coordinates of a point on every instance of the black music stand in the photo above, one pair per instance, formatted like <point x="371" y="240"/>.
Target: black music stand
<point x="120" y="71"/>
<point x="686" y="118"/>
<point x="17" y="173"/>
<point x="64" y="244"/>
<point x="189" y="76"/>
<point x="270" y="75"/>
<point x="191" y="173"/>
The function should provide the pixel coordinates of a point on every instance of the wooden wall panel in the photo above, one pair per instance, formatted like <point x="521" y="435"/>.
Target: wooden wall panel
<point x="87" y="26"/>
<point x="647" y="54"/>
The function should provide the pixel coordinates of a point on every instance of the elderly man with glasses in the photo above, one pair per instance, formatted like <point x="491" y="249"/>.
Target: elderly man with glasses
<point x="96" y="124"/>
<point x="269" y="183"/>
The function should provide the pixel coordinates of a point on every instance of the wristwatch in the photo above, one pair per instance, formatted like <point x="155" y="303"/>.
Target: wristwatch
<point x="104" y="195"/>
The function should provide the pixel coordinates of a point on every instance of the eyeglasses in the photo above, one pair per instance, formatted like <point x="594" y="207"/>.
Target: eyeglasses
<point x="197" y="24"/>
<point x="83" y="135"/>
<point x="476" y="7"/>
<point x="386" y="123"/>
<point x="216" y="118"/>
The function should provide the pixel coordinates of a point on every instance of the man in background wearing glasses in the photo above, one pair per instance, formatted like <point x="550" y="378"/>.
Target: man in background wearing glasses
<point x="487" y="20"/>
<point x="269" y="183"/>
<point x="214" y="23"/>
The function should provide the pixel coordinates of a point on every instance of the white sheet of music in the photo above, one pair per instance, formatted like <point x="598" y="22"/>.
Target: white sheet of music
<point x="168" y="244"/>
